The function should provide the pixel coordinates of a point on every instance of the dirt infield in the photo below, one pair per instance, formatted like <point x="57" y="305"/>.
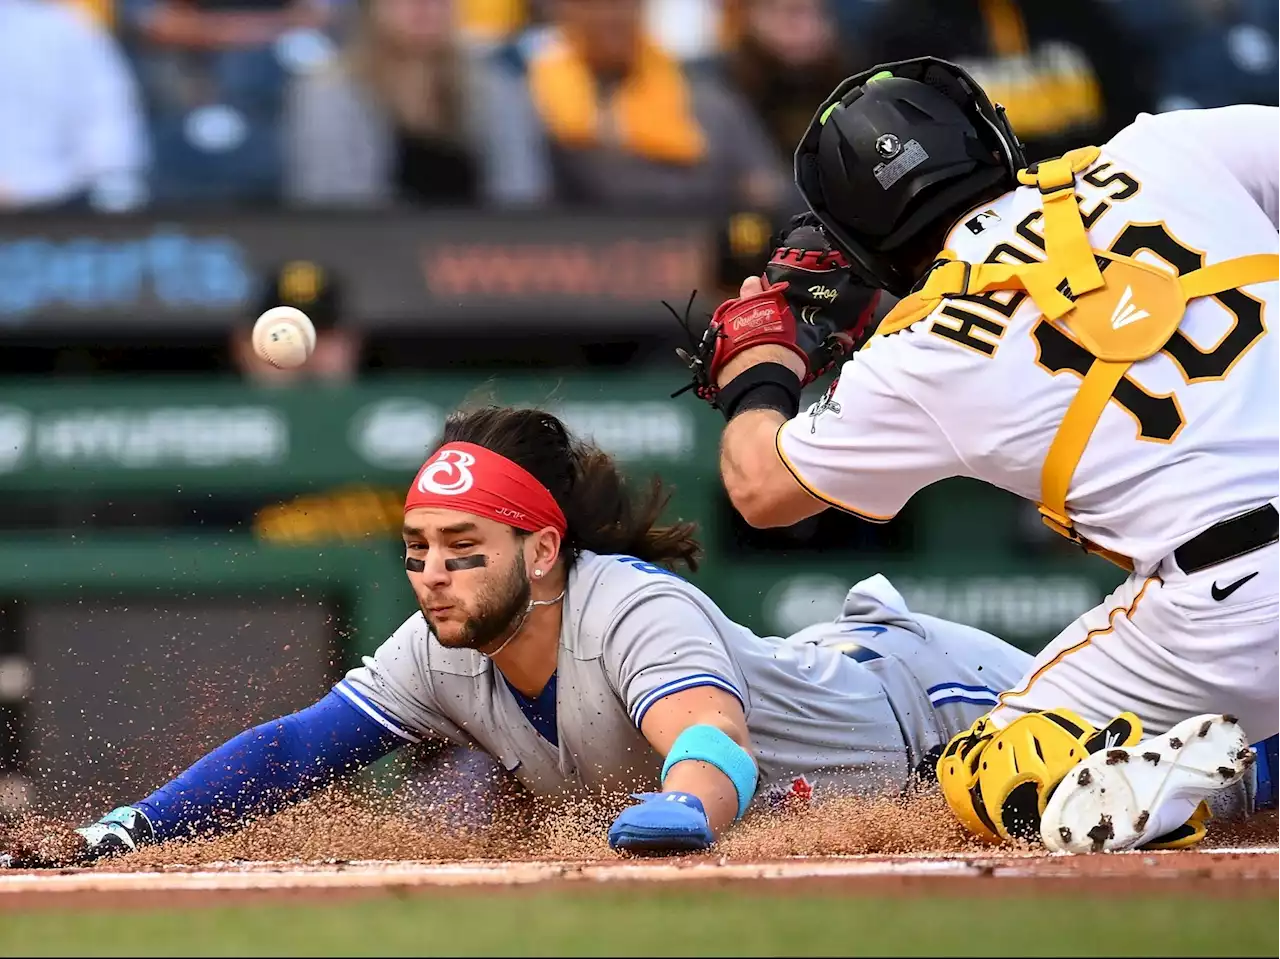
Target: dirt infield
<point x="333" y="847"/>
<point x="1243" y="872"/>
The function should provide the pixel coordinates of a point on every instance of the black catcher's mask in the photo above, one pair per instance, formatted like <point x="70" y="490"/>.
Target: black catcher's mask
<point x="895" y="155"/>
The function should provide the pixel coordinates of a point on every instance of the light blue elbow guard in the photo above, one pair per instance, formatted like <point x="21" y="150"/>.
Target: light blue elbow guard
<point x="711" y="745"/>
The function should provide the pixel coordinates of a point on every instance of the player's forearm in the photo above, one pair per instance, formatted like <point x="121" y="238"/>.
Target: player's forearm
<point x="702" y="733"/>
<point x="716" y="791"/>
<point x="745" y="439"/>
<point x="267" y="767"/>
<point x="756" y="481"/>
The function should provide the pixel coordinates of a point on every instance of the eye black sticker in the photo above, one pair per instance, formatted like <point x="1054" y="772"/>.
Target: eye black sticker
<point x="474" y="561"/>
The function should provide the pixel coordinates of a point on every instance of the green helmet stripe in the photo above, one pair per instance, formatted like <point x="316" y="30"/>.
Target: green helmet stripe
<point x="828" y="111"/>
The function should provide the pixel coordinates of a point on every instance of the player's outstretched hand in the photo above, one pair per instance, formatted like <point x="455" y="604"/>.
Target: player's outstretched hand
<point x="121" y="831"/>
<point x="662" y="823"/>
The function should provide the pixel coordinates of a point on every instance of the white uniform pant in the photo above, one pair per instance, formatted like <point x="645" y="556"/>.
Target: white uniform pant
<point x="1162" y="647"/>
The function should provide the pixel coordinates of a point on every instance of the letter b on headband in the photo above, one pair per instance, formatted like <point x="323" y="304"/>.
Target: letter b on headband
<point x="448" y="474"/>
<point x="472" y="479"/>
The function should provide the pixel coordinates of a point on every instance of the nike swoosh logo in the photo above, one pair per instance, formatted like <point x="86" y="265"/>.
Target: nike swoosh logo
<point x="873" y="630"/>
<point x="1221" y="594"/>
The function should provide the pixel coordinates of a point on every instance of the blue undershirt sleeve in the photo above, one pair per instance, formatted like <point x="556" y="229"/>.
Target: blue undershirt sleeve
<point x="265" y="768"/>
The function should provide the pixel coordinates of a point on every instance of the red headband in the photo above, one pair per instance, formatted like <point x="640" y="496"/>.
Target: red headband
<point x="472" y="479"/>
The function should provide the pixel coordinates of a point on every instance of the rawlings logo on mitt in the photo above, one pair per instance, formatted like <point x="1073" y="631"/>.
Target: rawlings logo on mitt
<point x="811" y="304"/>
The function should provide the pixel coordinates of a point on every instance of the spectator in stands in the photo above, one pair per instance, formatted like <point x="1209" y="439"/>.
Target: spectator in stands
<point x="1211" y="53"/>
<point x="1069" y="74"/>
<point x="101" y="12"/>
<point x="71" y="129"/>
<point x="214" y="73"/>
<point x="389" y="120"/>
<point x="786" y="62"/>
<point x="316" y="291"/>
<point x="594" y="112"/>
<point x="692" y="31"/>
<point x="854" y="16"/>
<point x="488" y="22"/>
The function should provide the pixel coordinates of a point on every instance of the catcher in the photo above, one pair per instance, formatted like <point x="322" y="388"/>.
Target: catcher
<point x="553" y="635"/>
<point x="1088" y="332"/>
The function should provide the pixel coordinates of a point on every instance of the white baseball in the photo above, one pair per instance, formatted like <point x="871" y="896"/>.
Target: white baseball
<point x="284" y="336"/>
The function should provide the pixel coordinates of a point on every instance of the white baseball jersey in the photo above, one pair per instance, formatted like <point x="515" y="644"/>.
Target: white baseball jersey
<point x="979" y="387"/>
<point x="858" y="716"/>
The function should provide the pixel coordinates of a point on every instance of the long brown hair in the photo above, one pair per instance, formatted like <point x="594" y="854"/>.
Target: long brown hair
<point x="423" y="93"/>
<point x="603" y="515"/>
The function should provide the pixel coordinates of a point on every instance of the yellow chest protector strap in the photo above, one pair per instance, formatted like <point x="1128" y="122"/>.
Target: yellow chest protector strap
<point x="1069" y="258"/>
<point x="1066" y="241"/>
<point x="1079" y="286"/>
<point x="1112" y="362"/>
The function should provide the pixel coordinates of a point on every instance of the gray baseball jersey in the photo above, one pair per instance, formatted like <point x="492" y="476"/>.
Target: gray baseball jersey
<point x="842" y="716"/>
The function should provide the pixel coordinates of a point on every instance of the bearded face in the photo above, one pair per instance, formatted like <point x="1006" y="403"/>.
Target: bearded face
<point x="495" y="607"/>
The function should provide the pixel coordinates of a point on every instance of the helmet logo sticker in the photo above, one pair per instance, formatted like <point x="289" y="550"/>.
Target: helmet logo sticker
<point x="888" y="146"/>
<point x="910" y="157"/>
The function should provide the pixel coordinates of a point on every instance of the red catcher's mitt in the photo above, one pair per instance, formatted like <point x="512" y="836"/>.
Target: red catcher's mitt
<point x="812" y="304"/>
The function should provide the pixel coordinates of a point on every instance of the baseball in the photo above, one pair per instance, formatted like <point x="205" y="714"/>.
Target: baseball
<point x="284" y="336"/>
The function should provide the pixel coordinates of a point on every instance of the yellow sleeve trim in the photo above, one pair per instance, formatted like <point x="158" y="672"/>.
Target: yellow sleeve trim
<point x="808" y="487"/>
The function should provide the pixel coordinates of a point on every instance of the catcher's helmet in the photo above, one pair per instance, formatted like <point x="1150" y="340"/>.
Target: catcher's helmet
<point x="895" y="155"/>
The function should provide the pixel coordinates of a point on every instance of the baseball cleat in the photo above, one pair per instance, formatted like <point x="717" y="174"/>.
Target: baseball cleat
<point x="1121" y="799"/>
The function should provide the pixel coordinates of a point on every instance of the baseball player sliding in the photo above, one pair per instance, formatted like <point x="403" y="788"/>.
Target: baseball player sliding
<point x="553" y="635"/>
<point x="1093" y="337"/>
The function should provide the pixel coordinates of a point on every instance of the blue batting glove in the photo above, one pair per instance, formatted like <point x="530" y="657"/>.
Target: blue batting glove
<point x="663" y="822"/>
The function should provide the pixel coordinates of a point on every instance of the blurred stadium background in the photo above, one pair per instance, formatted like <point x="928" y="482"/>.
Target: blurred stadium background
<point x="191" y="543"/>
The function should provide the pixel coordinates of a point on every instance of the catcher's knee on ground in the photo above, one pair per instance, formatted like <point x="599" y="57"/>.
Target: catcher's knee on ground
<point x="997" y="782"/>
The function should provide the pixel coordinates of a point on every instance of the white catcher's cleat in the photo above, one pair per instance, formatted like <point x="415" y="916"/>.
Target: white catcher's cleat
<point x="1121" y="798"/>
